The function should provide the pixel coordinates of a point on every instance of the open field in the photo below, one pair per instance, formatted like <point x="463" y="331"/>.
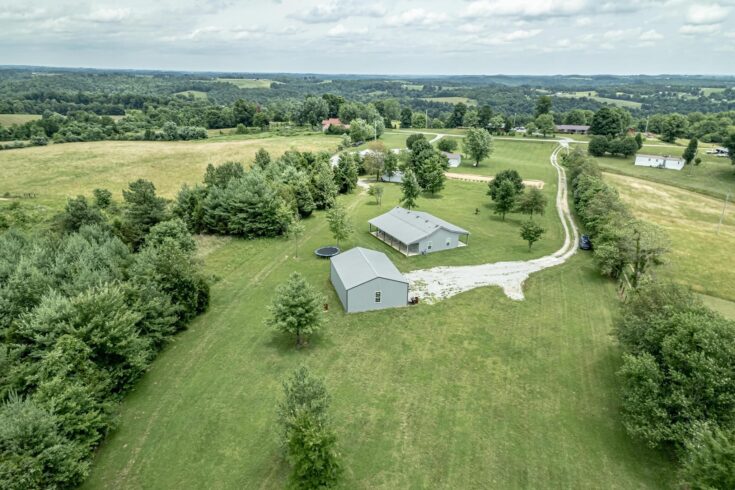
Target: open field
<point x="55" y="172"/>
<point x="477" y="391"/>
<point x="197" y="94"/>
<point x="452" y="100"/>
<point x="10" y="119"/>
<point x="248" y="82"/>
<point x="699" y="257"/>
<point x="722" y="306"/>
<point x="714" y="177"/>
<point x="593" y="95"/>
<point x="712" y="90"/>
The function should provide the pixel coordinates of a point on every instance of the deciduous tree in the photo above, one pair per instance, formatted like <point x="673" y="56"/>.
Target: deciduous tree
<point x="296" y="308"/>
<point x="531" y="232"/>
<point x="478" y="144"/>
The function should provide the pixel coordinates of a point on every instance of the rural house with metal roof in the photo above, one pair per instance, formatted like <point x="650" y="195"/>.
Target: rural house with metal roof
<point x="416" y="232"/>
<point x="367" y="280"/>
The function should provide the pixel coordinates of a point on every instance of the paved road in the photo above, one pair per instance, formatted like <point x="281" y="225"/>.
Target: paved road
<point x="438" y="283"/>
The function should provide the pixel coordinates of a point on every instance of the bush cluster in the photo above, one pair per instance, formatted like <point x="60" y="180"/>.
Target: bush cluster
<point x="81" y="318"/>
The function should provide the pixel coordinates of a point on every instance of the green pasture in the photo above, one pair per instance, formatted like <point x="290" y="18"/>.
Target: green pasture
<point x="10" y="119"/>
<point x="452" y="100"/>
<point x="699" y="256"/>
<point x="247" y="83"/>
<point x="474" y="392"/>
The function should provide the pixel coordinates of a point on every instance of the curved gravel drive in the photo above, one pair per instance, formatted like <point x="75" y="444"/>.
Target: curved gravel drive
<point x="435" y="284"/>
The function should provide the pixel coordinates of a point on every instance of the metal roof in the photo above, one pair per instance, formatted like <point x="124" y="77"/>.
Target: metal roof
<point x="572" y="127"/>
<point x="455" y="156"/>
<point x="360" y="265"/>
<point x="412" y="226"/>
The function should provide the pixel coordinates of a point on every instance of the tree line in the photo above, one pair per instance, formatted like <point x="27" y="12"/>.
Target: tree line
<point x="84" y="310"/>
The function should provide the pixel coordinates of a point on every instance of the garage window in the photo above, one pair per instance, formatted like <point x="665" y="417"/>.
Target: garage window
<point x="378" y="296"/>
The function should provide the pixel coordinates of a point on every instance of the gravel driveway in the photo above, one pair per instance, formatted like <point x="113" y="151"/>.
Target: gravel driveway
<point x="435" y="284"/>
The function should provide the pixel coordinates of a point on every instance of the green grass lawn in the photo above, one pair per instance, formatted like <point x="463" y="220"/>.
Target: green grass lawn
<point x="530" y="158"/>
<point x="606" y="100"/>
<point x="474" y="392"/>
<point x="714" y="177"/>
<point x="248" y="82"/>
<point x="10" y="119"/>
<point x="197" y="94"/>
<point x="699" y="257"/>
<point x="452" y="100"/>
<point x="55" y="172"/>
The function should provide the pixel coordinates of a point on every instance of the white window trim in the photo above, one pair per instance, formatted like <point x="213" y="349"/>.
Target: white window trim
<point x="378" y="297"/>
<point x="428" y="245"/>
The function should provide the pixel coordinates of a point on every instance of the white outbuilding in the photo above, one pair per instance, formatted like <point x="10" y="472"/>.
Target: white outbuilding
<point x="367" y="280"/>
<point x="659" y="161"/>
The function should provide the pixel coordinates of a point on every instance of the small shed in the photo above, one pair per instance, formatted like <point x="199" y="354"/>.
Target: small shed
<point x="416" y="232"/>
<point x="659" y="161"/>
<point x="367" y="280"/>
<point x="454" y="159"/>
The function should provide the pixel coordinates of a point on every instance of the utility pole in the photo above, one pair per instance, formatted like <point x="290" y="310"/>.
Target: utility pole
<point x="646" y="131"/>
<point x="722" y="215"/>
<point x="427" y="119"/>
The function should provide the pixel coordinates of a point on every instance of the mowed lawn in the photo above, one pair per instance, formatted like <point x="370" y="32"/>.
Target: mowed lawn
<point x="10" y="119"/>
<point x="478" y="391"/>
<point x="715" y="176"/>
<point x="699" y="256"/>
<point x="55" y="172"/>
<point x="247" y="83"/>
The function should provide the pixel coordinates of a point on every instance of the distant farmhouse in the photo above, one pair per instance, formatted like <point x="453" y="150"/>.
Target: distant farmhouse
<point x="454" y="158"/>
<point x="333" y="121"/>
<point x="415" y="232"/>
<point x="572" y="129"/>
<point x="658" y="161"/>
<point x="367" y="280"/>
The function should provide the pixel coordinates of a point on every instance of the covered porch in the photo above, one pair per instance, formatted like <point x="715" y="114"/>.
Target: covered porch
<point x="393" y="242"/>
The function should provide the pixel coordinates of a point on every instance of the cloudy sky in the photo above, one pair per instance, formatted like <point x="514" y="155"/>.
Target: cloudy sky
<point x="380" y="36"/>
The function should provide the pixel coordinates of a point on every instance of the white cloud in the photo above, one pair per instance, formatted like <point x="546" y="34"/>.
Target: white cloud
<point x="652" y="35"/>
<point x="699" y="14"/>
<point x="108" y="15"/>
<point x="693" y="30"/>
<point x="508" y="37"/>
<point x="415" y="17"/>
<point x="341" y="31"/>
<point x="526" y="8"/>
<point x="471" y="28"/>
<point x="339" y="10"/>
<point x="583" y="21"/>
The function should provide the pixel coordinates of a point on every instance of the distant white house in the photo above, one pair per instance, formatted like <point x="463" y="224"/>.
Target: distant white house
<point x="659" y="161"/>
<point x="454" y="158"/>
<point x="396" y="178"/>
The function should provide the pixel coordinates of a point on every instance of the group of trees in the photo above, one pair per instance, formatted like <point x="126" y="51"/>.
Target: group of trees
<point x="265" y="200"/>
<point x="82" y="315"/>
<point x="624" y="247"/>
<point x="676" y="379"/>
<point x="507" y="192"/>
<point x="626" y="146"/>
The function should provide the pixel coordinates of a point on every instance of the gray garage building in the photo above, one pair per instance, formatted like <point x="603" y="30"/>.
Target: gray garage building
<point x="367" y="280"/>
<point x="416" y="232"/>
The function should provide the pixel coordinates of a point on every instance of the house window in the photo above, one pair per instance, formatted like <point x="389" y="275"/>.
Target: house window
<point x="378" y="296"/>
<point x="449" y="241"/>
<point x="428" y="246"/>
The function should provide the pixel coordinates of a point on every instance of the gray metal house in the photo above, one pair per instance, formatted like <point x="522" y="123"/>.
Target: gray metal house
<point x="367" y="280"/>
<point x="416" y="232"/>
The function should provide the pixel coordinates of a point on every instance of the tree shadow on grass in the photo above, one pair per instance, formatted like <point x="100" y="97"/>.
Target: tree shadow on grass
<point x="428" y="195"/>
<point x="285" y="344"/>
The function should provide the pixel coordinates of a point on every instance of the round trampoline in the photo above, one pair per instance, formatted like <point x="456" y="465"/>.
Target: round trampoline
<point x="326" y="252"/>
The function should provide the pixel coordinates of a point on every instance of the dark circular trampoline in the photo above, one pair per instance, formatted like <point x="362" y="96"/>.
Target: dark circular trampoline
<point x="326" y="252"/>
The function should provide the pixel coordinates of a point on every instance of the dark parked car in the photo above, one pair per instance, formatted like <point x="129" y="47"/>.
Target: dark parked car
<point x="585" y="243"/>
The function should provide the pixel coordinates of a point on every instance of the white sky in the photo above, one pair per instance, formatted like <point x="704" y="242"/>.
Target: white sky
<point x="386" y="37"/>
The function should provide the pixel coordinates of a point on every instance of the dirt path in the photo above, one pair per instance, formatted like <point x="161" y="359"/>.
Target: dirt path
<point x="484" y="178"/>
<point x="438" y="283"/>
